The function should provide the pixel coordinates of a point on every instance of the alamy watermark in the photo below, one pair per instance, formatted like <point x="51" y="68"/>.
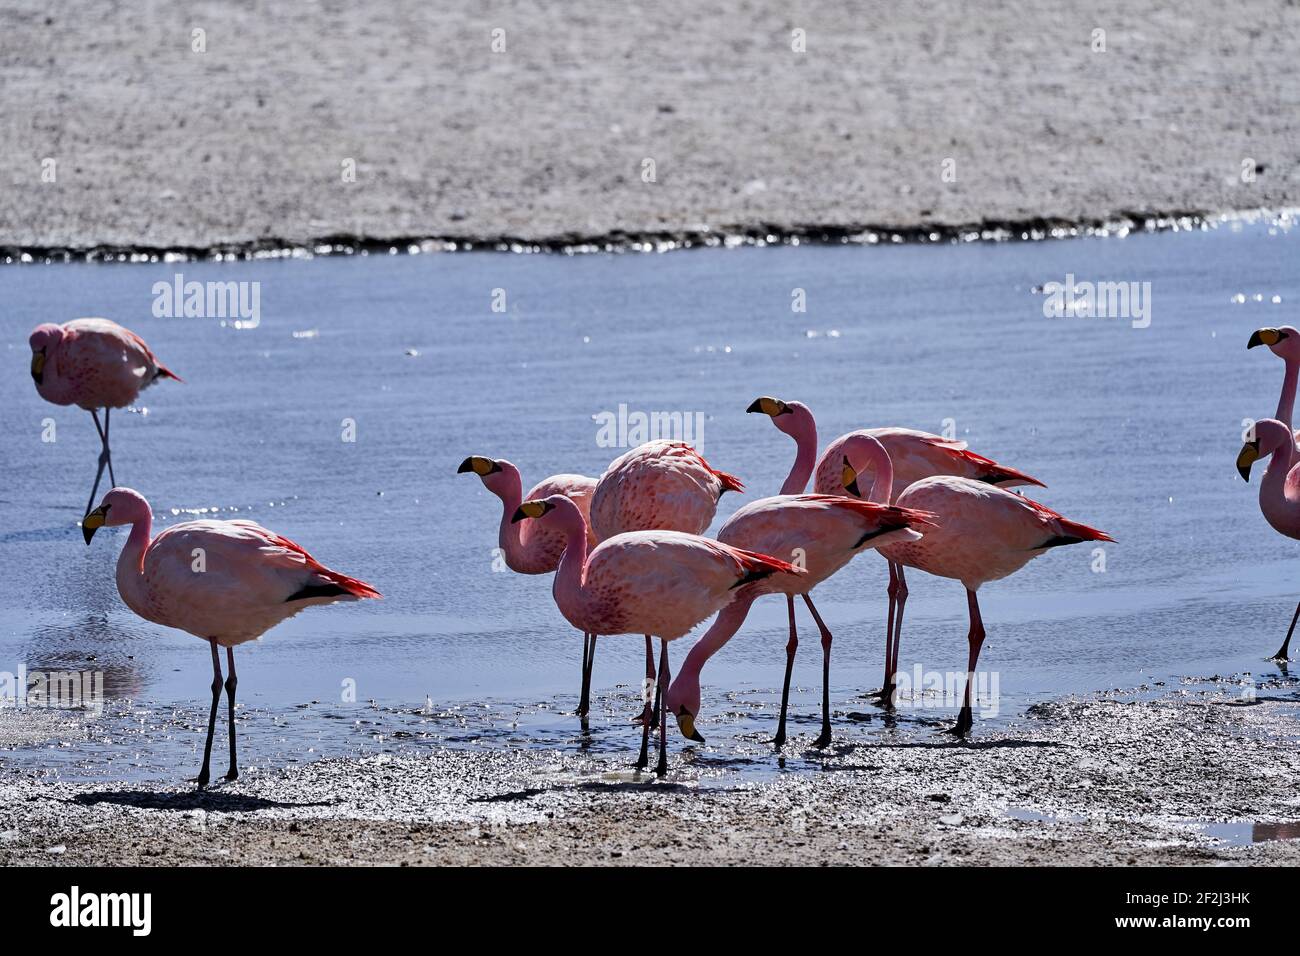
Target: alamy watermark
<point x="241" y="301"/>
<point x="55" y="690"/>
<point x="947" y="689"/>
<point x="1098" y="300"/>
<point x="625" y="429"/>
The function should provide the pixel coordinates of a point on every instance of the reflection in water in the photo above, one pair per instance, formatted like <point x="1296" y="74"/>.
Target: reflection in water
<point x="92" y="642"/>
<point x="1261" y="832"/>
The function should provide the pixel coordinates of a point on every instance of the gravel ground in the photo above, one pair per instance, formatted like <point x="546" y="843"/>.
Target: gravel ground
<point x="1104" y="781"/>
<point x="245" y="145"/>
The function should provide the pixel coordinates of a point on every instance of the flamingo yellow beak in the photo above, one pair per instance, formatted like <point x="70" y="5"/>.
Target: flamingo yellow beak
<point x="1265" y="337"/>
<point x="531" y="509"/>
<point x="93" y="522"/>
<point x="480" y="466"/>
<point x="768" y="406"/>
<point x="686" y="724"/>
<point x="1248" y="456"/>
<point x="849" y="478"/>
<point x="38" y="365"/>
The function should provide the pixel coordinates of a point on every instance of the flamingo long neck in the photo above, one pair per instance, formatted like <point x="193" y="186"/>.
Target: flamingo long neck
<point x="864" y="451"/>
<point x="571" y="574"/>
<point x="805" y="459"/>
<point x="1286" y="401"/>
<point x="509" y="538"/>
<point x="132" y="556"/>
<point x="713" y="640"/>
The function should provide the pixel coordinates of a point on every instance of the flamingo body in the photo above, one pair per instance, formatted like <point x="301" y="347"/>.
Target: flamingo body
<point x="661" y="485"/>
<point x="657" y="582"/>
<point x="227" y="581"/>
<point x="916" y="455"/>
<point x="984" y="533"/>
<point x="820" y="533"/>
<point x="93" y="363"/>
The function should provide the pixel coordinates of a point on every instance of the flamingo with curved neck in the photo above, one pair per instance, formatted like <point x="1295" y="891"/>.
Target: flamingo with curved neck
<point x="1284" y="342"/>
<point x="1279" y="491"/>
<point x="534" y="549"/>
<point x="913" y="455"/>
<point x="249" y="580"/>
<point x="822" y="533"/>
<point x="661" y="583"/>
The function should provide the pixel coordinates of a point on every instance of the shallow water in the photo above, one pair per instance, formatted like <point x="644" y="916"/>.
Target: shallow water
<point x="1135" y="430"/>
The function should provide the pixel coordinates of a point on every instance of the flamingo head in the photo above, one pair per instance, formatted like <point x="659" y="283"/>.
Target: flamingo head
<point x="1270" y="435"/>
<point x="793" y="418"/>
<point x="1284" y="341"/>
<point x="497" y="474"/>
<point x="120" y="506"/>
<point x="43" y="340"/>
<point x="556" y="510"/>
<point x="683" y="702"/>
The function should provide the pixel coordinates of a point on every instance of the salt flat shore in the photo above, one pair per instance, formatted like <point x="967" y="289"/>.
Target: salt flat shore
<point x="1098" y="781"/>
<point x="283" y="124"/>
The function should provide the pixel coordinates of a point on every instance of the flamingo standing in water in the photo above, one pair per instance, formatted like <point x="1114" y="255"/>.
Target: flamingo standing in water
<point x="984" y="534"/>
<point x="1284" y="342"/>
<point x="1279" y="492"/>
<point x="823" y="532"/>
<point x="536" y="548"/>
<point x="646" y="582"/>
<point x="93" y="364"/>
<point x="661" y="485"/>
<point x="914" y="455"/>
<point x="227" y="582"/>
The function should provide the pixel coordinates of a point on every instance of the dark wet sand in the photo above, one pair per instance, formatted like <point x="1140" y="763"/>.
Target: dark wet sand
<point x="244" y="145"/>
<point x="1105" y="781"/>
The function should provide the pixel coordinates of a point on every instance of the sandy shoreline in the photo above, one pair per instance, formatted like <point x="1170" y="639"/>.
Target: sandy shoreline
<point x="245" y="145"/>
<point x="1104" y="781"/>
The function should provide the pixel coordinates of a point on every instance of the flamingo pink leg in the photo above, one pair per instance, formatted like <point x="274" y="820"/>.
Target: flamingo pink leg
<point x="825" y="739"/>
<point x="231" y="683"/>
<point x="1281" y="655"/>
<point x="965" y="720"/>
<point x="790" y="648"/>
<point x="202" y="779"/>
<point x="661" y="768"/>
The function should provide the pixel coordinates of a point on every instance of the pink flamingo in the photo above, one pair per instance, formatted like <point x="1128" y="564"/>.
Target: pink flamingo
<point x="823" y="533"/>
<point x="984" y="534"/>
<point x="536" y="548"/>
<point x="914" y="455"/>
<point x="1283" y="342"/>
<point x="227" y="582"/>
<point x="646" y="582"/>
<point x="1279" y="492"/>
<point x="661" y="485"/>
<point x="93" y="364"/>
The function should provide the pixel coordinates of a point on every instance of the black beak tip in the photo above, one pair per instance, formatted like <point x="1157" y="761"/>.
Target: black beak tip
<point x="466" y="465"/>
<point x="755" y="406"/>
<point x="518" y="516"/>
<point x="697" y="737"/>
<point x="87" y="533"/>
<point x="1244" y="472"/>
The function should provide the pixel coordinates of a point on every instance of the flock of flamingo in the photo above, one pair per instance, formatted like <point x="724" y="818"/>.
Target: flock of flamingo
<point x="628" y="549"/>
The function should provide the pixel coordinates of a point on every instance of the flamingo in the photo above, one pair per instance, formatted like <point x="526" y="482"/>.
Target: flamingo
<point x="646" y="582"/>
<point x="93" y="364"/>
<point x="1279" y="492"/>
<point x="537" y="551"/>
<point x="661" y="485"/>
<point x="227" y="582"/>
<point x="914" y="455"/>
<point x="984" y="534"/>
<point x="825" y="532"/>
